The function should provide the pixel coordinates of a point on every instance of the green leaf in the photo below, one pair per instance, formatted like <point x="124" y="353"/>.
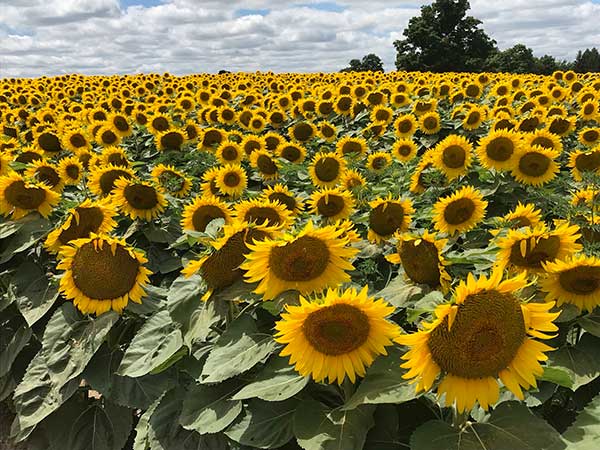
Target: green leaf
<point x="557" y="375"/>
<point x="138" y="392"/>
<point x="143" y="431"/>
<point x="316" y="427"/>
<point x="582" y="361"/>
<point x="383" y="383"/>
<point x="237" y="350"/>
<point x="155" y="300"/>
<point x="166" y="433"/>
<point x="9" y="228"/>
<point x="157" y="340"/>
<point x="264" y="424"/>
<point x="510" y="427"/>
<point x="101" y="427"/>
<point x="35" y="293"/>
<point x="384" y="435"/>
<point x="186" y="307"/>
<point x="275" y="382"/>
<point x="591" y="323"/>
<point x="398" y="292"/>
<point x="210" y="409"/>
<point x="32" y="229"/>
<point x="70" y="341"/>
<point x="584" y="434"/>
<point x="14" y="335"/>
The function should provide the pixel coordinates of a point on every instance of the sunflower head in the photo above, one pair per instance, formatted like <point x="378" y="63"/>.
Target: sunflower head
<point x="535" y="165"/>
<point x="19" y="197"/>
<point x="459" y="212"/>
<point x="377" y="162"/>
<point x="70" y="170"/>
<point x="351" y="145"/>
<point x="46" y="173"/>
<point x="138" y="199"/>
<point x="326" y="169"/>
<point x="498" y="149"/>
<point x="405" y="126"/>
<point x="102" y="179"/>
<point x="171" y="180"/>
<point x="263" y="212"/>
<point x="231" y="180"/>
<point x="453" y="156"/>
<point x="388" y="216"/>
<point x="280" y="193"/>
<point x="203" y="210"/>
<point x="332" y="203"/>
<point x="267" y="166"/>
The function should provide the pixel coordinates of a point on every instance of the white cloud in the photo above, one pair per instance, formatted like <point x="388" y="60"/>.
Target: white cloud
<point x="47" y="37"/>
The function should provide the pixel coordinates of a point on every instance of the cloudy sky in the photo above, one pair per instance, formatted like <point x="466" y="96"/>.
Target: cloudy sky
<point x="49" y="37"/>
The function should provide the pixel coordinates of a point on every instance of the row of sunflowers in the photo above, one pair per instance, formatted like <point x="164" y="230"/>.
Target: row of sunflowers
<point x="301" y="261"/>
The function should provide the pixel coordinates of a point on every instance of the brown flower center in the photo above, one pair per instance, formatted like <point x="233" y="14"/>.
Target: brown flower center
<point x="304" y="259"/>
<point x="20" y="196"/>
<point x="387" y="218"/>
<point x="459" y="211"/>
<point x="581" y="280"/>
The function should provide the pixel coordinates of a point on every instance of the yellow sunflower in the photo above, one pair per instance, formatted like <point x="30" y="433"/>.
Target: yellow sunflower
<point x="86" y="218"/>
<point x="270" y="213"/>
<point x="102" y="179"/>
<point x="485" y="335"/>
<point x="332" y="203"/>
<point x="589" y="136"/>
<point x="138" y="199"/>
<point x="229" y="152"/>
<point x="388" y="216"/>
<point x="422" y="260"/>
<point x="106" y="135"/>
<point x="453" y="156"/>
<point x="336" y="335"/>
<point x="171" y="180"/>
<point x="231" y="180"/>
<point x="526" y="249"/>
<point x="474" y="118"/>
<point x="351" y="145"/>
<point x="267" y="166"/>
<point x="302" y="132"/>
<point x="114" y="155"/>
<point x="280" y="193"/>
<point x="311" y="261"/>
<point x="405" y="126"/>
<point x="377" y="162"/>
<point x="197" y="215"/>
<point x="102" y="273"/>
<point x="404" y="150"/>
<point x="19" y="197"/>
<point x="430" y="123"/>
<point x="543" y="138"/>
<point x="70" y="170"/>
<point x="498" y="149"/>
<point x="523" y="216"/>
<point x="170" y="140"/>
<point x="352" y="179"/>
<point x="459" y="212"/>
<point x="47" y="173"/>
<point x="561" y="125"/>
<point x="76" y="140"/>
<point x="221" y="266"/>
<point x="574" y="280"/>
<point x="535" y="166"/>
<point x="291" y="152"/>
<point x="326" y="169"/>
<point x="584" y="161"/>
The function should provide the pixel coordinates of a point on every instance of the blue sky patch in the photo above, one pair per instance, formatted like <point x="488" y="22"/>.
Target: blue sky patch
<point x="144" y="3"/>
<point x="251" y="12"/>
<point x="324" y="6"/>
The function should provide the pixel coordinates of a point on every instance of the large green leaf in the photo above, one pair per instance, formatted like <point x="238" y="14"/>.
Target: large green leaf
<point x="398" y="292"/>
<point x="264" y="424"/>
<point x="237" y="350"/>
<point x="70" y="341"/>
<point x="383" y="383"/>
<point x="101" y="427"/>
<point x="186" y="307"/>
<point x="32" y="228"/>
<point x="157" y="340"/>
<point x="14" y="335"/>
<point x="275" y="382"/>
<point x="582" y="361"/>
<point x="317" y="427"/>
<point x="385" y="433"/>
<point x="138" y="392"/>
<point x="35" y="293"/>
<point x="584" y="434"/>
<point x="210" y="409"/>
<point x="591" y="323"/>
<point x="510" y="427"/>
<point x="143" y="431"/>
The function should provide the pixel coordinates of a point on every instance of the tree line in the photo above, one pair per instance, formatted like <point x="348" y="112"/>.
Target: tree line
<point x="443" y="38"/>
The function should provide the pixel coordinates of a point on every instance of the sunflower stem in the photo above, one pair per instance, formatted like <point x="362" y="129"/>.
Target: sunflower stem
<point x="459" y="419"/>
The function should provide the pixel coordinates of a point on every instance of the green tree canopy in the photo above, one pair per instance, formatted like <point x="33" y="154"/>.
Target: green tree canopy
<point x="370" y="62"/>
<point x="587" y="61"/>
<point x="443" y="38"/>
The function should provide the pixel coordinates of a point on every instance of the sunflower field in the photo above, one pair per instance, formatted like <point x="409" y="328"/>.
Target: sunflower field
<point x="301" y="261"/>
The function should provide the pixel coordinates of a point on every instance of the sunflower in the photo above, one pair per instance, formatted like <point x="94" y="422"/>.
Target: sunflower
<point x="221" y="266"/>
<point x="352" y="179"/>
<point x="267" y="166"/>
<point x="326" y="169"/>
<point x="545" y="139"/>
<point x="327" y="131"/>
<point x="474" y="118"/>
<point x="211" y="138"/>
<point x="102" y="179"/>
<point x="75" y="140"/>
<point x="291" y="152"/>
<point x="351" y="145"/>
<point x="48" y="141"/>
<point x="459" y="212"/>
<point x="528" y="248"/>
<point x="405" y="126"/>
<point x="589" y="136"/>
<point x="171" y="180"/>
<point x="120" y="124"/>
<point x="388" y="216"/>
<point x="336" y="335"/>
<point x="332" y="203"/>
<point x="535" y="165"/>
<point x="102" y="273"/>
<point x="575" y="280"/>
<point x="422" y="260"/>
<point x="158" y="123"/>
<point x="19" y="197"/>
<point x="138" y="199"/>
<point x="404" y="150"/>
<point x="86" y="218"/>
<point x="46" y="173"/>
<point x="485" y="335"/>
<point x="453" y="156"/>
<point x="231" y="180"/>
<point x="202" y="210"/>
<point x="229" y="152"/>
<point x="251" y="143"/>
<point x="561" y="126"/>
<point x="5" y="163"/>
<point x="584" y="161"/>
<point x="302" y="132"/>
<point x="417" y="179"/>
<point x="430" y="123"/>
<point x="280" y="193"/>
<point x="209" y="183"/>
<point x="377" y="162"/>
<point x="170" y="140"/>
<point x="114" y="155"/>
<point x="498" y="149"/>
<point x="106" y="135"/>
<point x="523" y="216"/>
<point x="263" y="212"/>
<point x="381" y="115"/>
<point x="589" y="111"/>
<point x="311" y="261"/>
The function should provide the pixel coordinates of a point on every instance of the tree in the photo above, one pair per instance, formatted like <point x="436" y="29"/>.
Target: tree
<point x="587" y="61"/>
<point x="517" y="59"/>
<point x="443" y="38"/>
<point x="370" y="62"/>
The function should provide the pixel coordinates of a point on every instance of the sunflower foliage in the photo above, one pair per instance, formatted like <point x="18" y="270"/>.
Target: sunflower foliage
<point x="300" y="261"/>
